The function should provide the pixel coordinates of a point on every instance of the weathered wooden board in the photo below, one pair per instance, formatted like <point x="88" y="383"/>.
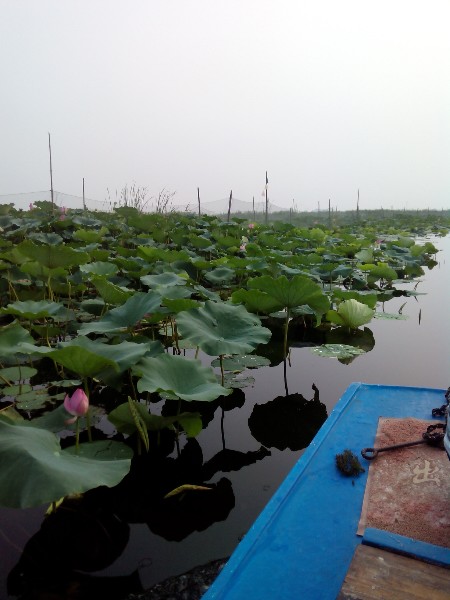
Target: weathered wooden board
<point x="376" y="574"/>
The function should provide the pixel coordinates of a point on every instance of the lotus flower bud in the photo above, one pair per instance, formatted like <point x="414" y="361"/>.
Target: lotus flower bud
<point x="77" y="405"/>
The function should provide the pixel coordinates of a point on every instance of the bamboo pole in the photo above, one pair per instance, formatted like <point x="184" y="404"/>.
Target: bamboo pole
<point x="198" y="199"/>
<point x="229" y="205"/>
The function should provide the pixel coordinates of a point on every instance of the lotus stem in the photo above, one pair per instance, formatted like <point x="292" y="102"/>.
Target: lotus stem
<point x="221" y="370"/>
<point x="88" y="416"/>
<point x="77" y="434"/>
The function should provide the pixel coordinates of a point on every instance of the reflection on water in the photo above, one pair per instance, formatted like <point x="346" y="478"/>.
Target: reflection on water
<point x="288" y="421"/>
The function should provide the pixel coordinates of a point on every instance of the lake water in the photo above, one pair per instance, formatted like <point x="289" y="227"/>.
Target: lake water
<point x="411" y="352"/>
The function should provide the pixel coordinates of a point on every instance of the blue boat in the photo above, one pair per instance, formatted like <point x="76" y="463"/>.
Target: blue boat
<point x="303" y="543"/>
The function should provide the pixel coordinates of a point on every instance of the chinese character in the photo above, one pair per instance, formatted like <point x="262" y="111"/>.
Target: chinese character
<point x="422" y="475"/>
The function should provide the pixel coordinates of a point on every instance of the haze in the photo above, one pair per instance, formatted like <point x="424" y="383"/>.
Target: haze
<point x="329" y="97"/>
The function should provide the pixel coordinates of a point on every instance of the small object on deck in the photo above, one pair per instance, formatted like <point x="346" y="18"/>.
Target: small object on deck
<point x="430" y="437"/>
<point x="348" y="463"/>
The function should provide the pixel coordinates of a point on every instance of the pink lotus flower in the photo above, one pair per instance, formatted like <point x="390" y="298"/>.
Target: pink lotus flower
<point x="251" y="225"/>
<point x="242" y="247"/>
<point x="77" y="405"/>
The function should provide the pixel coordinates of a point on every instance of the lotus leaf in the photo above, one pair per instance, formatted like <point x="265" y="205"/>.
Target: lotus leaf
<point x="390" y="316"/>
<point x="290" y="293"/>
<point x="163" y="279"/>
<point x="34" y="310"/>
<point x="365" y="255"/>
<point x="123" y="355"/>
<point x="123" y="420"/>
<point x="53" y="257"/>
<point x="379" y="271"/>
<point x="370" y="299"/>
<point x="178" y="376"/>
<point x="222" y="329"/>
<point x="178" y="305"/>
<point x="255" y="301"/>
<point x="350" y="313"/>
<point x="111" y="294"/>
<point x="220" y="275"/>
<point x="18" y="373"/>
<point x="99" y="268"/>
<point x="14" y="339"/>
<point x="247" y="361"/>
<point x="337" y="351"/>
<point x="34" y="470"/>
<point x="238" y="381"/>
<point x="125" y="316"/>
<point x="81" y="361"/>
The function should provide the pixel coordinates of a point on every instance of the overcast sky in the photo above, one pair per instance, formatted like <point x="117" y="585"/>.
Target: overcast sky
<point x="328" y="96"/>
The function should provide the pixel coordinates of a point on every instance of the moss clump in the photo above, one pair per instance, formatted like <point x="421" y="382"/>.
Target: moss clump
<point x="348" y="464"/>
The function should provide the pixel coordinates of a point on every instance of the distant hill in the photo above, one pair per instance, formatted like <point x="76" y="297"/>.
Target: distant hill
<point x="219" y="207"/>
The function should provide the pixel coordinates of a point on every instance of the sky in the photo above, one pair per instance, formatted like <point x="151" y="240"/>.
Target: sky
<point x="329" y="97"/>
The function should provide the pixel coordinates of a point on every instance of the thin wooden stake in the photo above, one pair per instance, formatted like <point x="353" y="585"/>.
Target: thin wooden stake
<point x="229" y="205"/>
<point x="267" y="201"/>
<point x="51" y="172"/>
<point x="198" y="198"/>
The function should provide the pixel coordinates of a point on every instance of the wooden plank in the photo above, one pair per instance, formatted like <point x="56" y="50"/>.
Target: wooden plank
<point x="376" y="574"/>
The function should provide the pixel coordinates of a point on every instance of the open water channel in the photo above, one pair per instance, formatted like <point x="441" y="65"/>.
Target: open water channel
<point x="246" y="450"/>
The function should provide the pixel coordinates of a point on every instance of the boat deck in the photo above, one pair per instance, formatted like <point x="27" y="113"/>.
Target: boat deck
<point x="303" y="543"/>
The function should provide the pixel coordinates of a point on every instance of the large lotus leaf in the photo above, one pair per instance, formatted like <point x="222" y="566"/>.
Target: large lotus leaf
<point x="178" y="305"/>
<point x="208" y="294"/>
<point x="31" y="309"/>
<point x="365" y="255"/>
<point x="99" y="268"/>
<point x="222" y="329"/>
<point x="199" y="242"/>
<point x="178" y="376"/>
<point x="153" y="254"/>
<point x="173" y="292"/>
<point x="34" y="470"/>
<point x="292" y="292"/>
<point x="37" y="269"/>
<point x="14" y="339"/>
<point x="370" y="299"/>
<point x="53" y="256"/>
<point x="46" y="238"/>
<point x="89" y="236"/>
<point x="125" y="316"/>
<point x="123" y="420"/>
<point x="350" y="313"/>
<point x="220" y="275"/>
<point x="379" y="271"/>
<point x="81" y="361"/>
<point x="163" y="279"/>
<point x="111" y="293"/>
<point x="123" y="355"/>
<point x="255" y="301"/>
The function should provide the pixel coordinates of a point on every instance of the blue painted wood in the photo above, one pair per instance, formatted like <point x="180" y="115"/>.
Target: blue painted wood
<point x="303" y="542"/>
<point x="400" y="544"/>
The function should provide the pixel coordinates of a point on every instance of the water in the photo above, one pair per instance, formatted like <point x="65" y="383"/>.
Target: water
<point x="412" y="352"/>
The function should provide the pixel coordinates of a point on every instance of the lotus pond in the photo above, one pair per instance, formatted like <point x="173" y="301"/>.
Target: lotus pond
<point x="160" y="374"/>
